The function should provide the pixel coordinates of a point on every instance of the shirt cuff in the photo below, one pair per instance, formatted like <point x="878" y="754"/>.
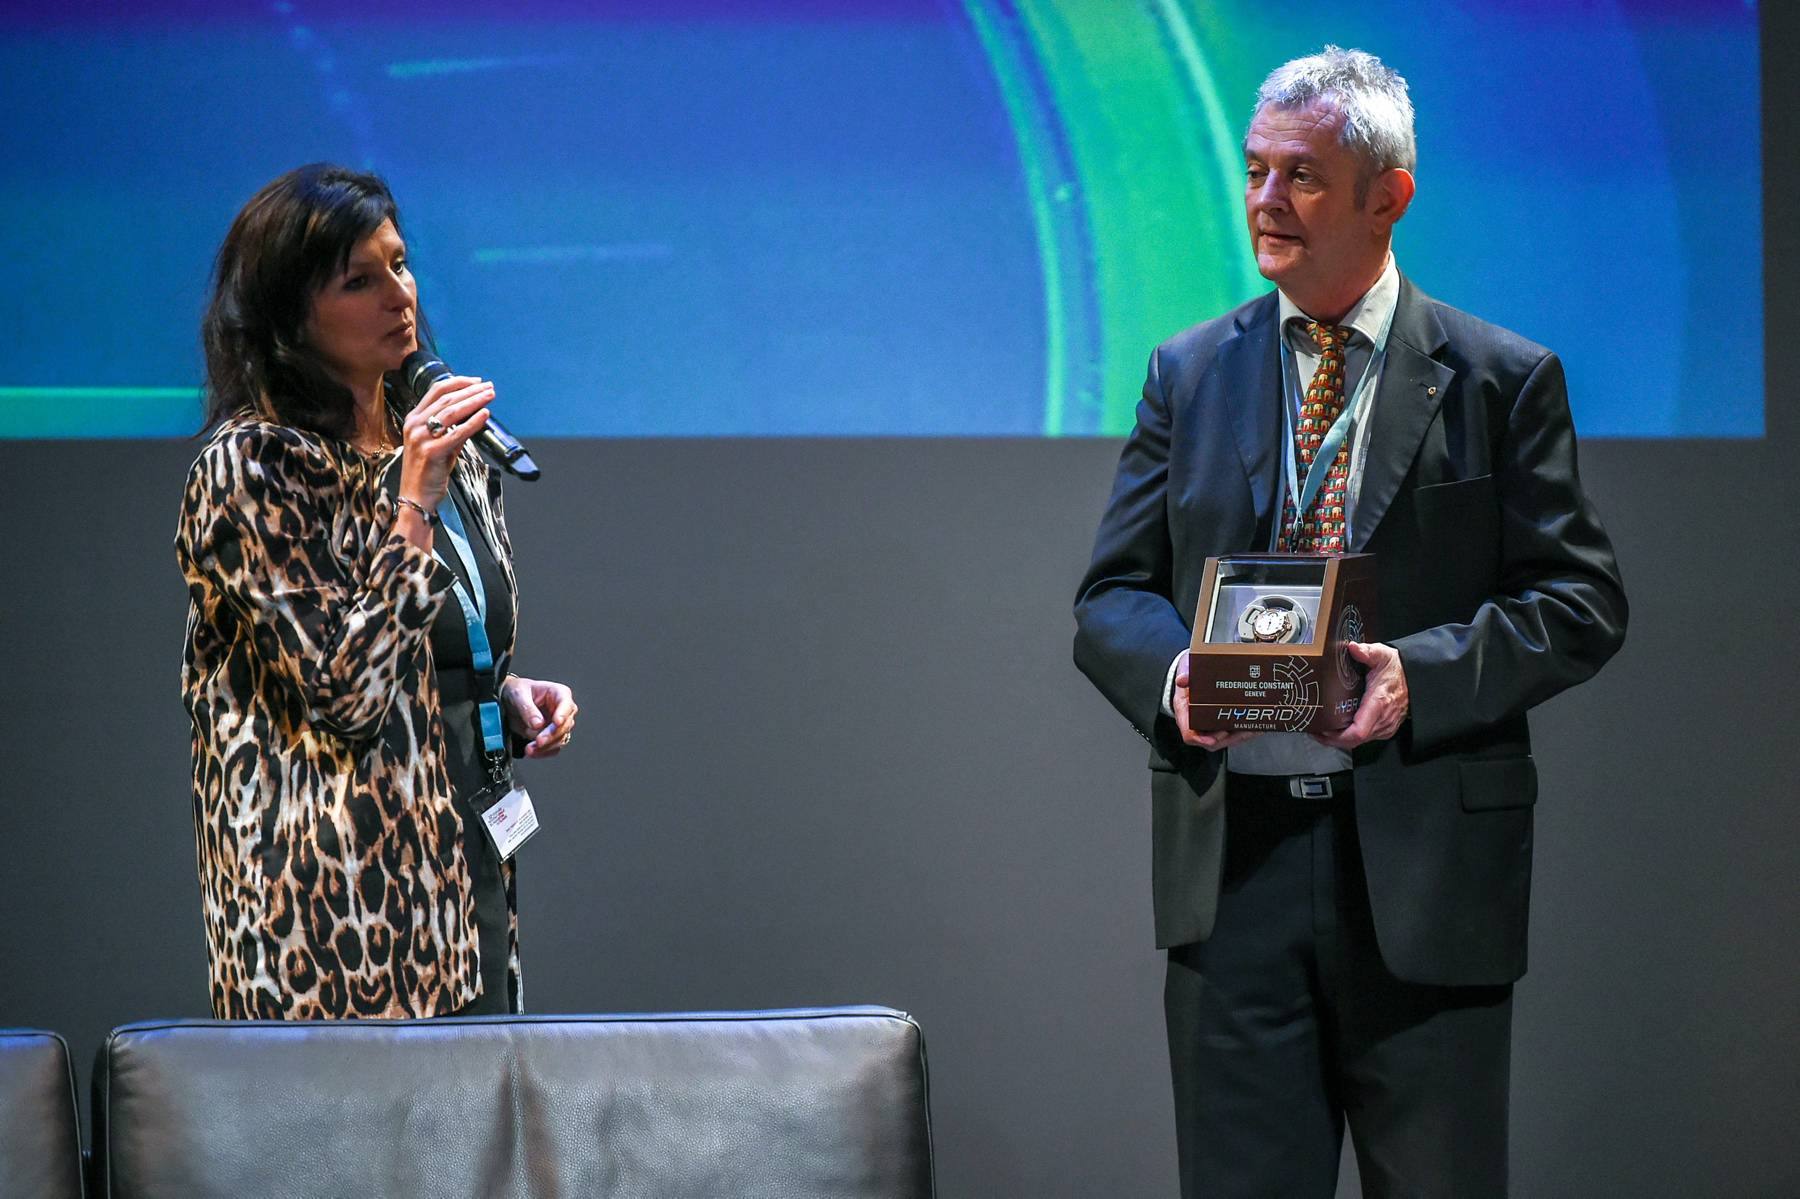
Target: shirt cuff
<point x="1168" y="695"/>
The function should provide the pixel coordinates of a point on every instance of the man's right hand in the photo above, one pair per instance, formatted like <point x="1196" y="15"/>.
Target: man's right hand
<point x="1214" y="740"/>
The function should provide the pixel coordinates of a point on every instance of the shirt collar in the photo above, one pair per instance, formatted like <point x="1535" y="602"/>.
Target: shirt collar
<point x="1368" y="314"/>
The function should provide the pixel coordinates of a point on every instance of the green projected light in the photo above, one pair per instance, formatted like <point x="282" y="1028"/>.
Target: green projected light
<point x="30" y="412"/>
<point x="1148" y="231"/>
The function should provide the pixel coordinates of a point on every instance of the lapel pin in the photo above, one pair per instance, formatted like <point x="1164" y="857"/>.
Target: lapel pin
<point x="1431" y="391"/>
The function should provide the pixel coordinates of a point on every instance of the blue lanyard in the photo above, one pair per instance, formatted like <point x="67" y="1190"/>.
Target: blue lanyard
<point x="1341" y="428"/>
<point x="474" y="610"/>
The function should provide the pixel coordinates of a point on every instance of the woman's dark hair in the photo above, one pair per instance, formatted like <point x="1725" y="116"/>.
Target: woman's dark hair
<point x="292" y="238"/>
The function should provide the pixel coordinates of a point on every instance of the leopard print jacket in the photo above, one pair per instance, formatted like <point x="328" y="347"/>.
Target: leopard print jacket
<point x="331" y="860"/>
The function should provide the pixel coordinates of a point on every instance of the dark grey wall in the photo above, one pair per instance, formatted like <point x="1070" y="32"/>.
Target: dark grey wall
<point x="833" y="750"/>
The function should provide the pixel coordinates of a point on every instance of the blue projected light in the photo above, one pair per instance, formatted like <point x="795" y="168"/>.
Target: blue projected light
<point x="906" y="217"/>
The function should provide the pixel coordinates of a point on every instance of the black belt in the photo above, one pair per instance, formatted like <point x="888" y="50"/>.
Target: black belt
<point x="1336" y="785"/>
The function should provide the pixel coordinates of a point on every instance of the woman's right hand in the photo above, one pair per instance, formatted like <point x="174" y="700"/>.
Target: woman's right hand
<point x="457" y="409"/>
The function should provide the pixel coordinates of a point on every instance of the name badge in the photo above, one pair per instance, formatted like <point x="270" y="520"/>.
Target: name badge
<point x="510" y="821"/>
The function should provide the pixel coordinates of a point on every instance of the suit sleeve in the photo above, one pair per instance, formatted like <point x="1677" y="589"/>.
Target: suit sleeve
<point x="1559" y="612"/>
<point x="1126" y="626"/>
<point x="255" y="534"/>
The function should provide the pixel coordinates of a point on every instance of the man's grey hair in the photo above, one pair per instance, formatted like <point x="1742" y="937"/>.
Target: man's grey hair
<point x="1369" y="95"/>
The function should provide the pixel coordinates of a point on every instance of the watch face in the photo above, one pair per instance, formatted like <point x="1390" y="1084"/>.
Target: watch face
<point x="1269" y="624"/>
<point x="1269" y="619"/>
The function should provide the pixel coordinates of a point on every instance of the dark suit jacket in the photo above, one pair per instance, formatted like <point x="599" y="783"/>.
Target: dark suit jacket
<point x="1497" y="585"/>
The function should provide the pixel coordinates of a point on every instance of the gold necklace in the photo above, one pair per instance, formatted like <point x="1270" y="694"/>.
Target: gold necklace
<point x="387" y="443"/>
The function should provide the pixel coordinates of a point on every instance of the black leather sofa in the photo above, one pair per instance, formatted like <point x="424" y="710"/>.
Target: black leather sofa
<point x="808" y="1104"/>
<point x="40" y="1129"/>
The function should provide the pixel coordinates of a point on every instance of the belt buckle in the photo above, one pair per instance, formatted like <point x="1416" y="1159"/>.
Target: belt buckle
<point x="1310" y="786"/>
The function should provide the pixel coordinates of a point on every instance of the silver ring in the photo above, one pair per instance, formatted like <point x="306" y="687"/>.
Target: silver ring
<point x="436" y="426"/>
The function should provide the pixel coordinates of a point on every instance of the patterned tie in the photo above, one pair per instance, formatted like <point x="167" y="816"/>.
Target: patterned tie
<point x="1322" y="529"/>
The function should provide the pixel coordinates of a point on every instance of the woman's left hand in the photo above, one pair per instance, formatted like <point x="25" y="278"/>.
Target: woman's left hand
<point x="541" y="712"/>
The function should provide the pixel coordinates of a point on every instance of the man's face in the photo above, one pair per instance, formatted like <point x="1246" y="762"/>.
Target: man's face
<point x="1311" y="237"/>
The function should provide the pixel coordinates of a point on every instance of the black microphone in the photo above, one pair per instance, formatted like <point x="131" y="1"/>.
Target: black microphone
<point x="422" y="368"/>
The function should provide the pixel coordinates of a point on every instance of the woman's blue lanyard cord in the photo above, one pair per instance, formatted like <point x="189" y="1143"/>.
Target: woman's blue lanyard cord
<point x="474" y="610"/>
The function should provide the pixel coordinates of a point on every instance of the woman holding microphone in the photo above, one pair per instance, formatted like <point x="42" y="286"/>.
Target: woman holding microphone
<point x="350" y="629"/>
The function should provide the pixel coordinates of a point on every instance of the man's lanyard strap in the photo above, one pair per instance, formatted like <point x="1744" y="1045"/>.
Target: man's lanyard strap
<point x="1305" y="492"/>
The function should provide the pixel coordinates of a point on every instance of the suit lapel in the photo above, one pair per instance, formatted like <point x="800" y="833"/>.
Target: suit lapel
<point x="1251" y="373"/>
<point x="1407" y="398"/>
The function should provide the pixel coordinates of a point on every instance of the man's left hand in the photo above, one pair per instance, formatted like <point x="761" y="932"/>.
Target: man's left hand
<point x="1384" y="703"/>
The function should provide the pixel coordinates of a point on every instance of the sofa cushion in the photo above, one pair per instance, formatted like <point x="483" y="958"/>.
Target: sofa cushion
<point x="810" y="1104"/>
<point x="40" y="1128"/>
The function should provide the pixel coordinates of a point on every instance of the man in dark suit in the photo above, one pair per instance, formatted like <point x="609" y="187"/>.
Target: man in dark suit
<point x="1345" y="915"/>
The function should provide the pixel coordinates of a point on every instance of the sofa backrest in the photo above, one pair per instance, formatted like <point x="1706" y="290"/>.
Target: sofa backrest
<point x="40" y="1129"/>
<point x="811" y="1104"/>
